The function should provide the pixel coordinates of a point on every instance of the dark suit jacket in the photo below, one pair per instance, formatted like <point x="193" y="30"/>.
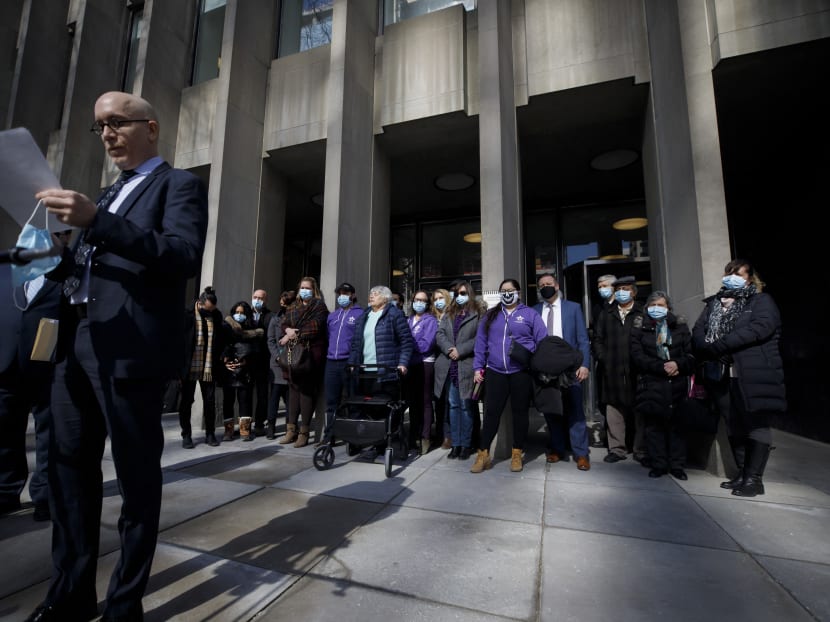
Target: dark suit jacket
<point x="143" y="256"/>
<point x="19" y="328"/>
<point x="573" y="328"/>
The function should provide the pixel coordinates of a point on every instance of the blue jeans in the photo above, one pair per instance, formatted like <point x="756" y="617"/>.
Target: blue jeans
<point x="461" y="417"/>
<point x="575" y="414"/>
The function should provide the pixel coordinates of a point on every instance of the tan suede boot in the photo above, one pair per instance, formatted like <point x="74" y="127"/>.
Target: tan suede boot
<point x="482" y="462"/>
<point x="290" y="434"/>
<point x="516" y="461"/>
<point x="245" y="428"/>
<point x="302" y="437"/>
<point x="228" y="431"/>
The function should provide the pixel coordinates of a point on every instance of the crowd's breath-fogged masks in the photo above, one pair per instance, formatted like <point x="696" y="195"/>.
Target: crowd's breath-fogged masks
<point x="509" y="297"/>
<point x="305" y="293"/>
<point x="440" y="304"/>
<point x="461" y="299"/>
<point x="343" y="300"/>
<point x="606" y="292"/>
<point x="657" y="313"/>
<point x="622" y="295"/>
<point x="240" y="317"/>
<point x="733" y="281"/>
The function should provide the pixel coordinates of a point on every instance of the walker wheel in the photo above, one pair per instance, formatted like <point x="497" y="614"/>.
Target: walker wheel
<point x="323" y="457"/>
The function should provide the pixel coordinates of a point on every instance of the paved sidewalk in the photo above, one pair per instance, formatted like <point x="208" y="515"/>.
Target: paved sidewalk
<point x="254" y="531"/>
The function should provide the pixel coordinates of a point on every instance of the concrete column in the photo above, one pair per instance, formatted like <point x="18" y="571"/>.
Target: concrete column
<point x="236" y="151"/>
<point x="681" y="156"/>
<point x="682" y="166"/>
<point x="348" y="206"/>
<point x="379" y="221"/>
<point x="164" y="65"/>
<point x="501" y="212"/>
<point x="270" y="241"/>
<point x="10" y="23"/>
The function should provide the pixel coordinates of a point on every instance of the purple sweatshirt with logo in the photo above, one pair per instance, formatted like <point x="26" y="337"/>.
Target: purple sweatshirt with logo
<point x="493" y="345"/>
<point x="341" y="323"/>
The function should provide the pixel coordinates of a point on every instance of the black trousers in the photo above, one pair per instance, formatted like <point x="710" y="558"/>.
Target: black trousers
<point x="208" y="405"/>
<point x="21" y="394"/>
<point x="87" y="406"/>
<point x="519" y="388"/>
<point x="665" y="441"/>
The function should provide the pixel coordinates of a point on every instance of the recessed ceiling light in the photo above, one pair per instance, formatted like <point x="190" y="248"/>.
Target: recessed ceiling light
<point x="642" y="283"/>
<point x="629" y="224"/>
<point x="454" y="181"/>
<point x="614" y="159"/>
<point x="606" y="257"/>
<point x="397" y="272"/>
<point x="473" y="238"/>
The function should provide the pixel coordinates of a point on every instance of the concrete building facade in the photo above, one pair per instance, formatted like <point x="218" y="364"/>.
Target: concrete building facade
<point x="365" y="140"/>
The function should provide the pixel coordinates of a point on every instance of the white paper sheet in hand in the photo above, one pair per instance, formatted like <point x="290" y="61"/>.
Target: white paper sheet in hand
<point x="23" y="173"/>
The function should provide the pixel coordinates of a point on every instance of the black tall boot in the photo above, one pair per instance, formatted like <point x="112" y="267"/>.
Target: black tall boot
<point x="757" y="455"/>
<point x="738" y="446"/>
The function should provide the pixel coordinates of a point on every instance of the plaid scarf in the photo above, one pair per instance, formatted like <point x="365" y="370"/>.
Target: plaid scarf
<point x="201" y="365"/>
<point x="724" y="315"/>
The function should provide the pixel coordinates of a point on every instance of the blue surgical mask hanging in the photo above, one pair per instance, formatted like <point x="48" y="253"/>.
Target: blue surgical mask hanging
<point x="34" y="239"/>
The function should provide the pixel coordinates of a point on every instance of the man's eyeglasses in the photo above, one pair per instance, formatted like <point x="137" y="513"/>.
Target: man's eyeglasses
<point x="114" y="124"/>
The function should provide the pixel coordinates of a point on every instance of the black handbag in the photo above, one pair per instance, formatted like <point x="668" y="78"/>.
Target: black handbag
<point x="295" y="357"/>
<point x="519" y="353"/>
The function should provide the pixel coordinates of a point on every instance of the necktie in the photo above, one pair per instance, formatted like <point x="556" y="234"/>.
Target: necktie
<point x="550" y="320"/>
<point x="73" y="281"/>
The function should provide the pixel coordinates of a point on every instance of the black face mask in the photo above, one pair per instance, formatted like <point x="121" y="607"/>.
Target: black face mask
<point x="548" y="291"/>
<point x="204" y="312"/>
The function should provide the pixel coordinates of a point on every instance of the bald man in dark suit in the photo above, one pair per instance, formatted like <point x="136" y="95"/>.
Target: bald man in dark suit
<point x="120" y="340"/>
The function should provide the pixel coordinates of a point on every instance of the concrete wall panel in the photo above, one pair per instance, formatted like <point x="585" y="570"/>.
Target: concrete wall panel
<point x="746" y="26"/>
<point x="297" y="95"/>
<point x="423" y="66"/>
<point x="573" y="43"/>
<point x="196" y="119"/>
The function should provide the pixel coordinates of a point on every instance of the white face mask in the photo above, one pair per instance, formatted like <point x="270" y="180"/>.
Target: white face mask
<point x="509" y="298"/>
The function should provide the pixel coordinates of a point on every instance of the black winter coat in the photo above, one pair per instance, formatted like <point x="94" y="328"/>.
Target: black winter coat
<point x="753" y="346"/>
<point x="217" y="348"/>
<point x="658" y="394"/>
<point x="554" y="357"/>
<point x="611" y="348"/>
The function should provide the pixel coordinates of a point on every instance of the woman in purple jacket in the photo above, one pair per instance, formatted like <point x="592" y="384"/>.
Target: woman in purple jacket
<point x="503" y="324"/>
<point x="421" y="377"/>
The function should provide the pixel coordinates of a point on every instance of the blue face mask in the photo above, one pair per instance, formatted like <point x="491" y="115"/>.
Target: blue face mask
<point x="240" y="317"/>
<point x="440" y="304"/>
<point x="461" y="299"/>
<point x="606" y="292"/>
<point x="256" y="303"/>
<point x="657" y="313"/>
<point x="419" y="306"/>
<point x="343" y="301"/>
<point x="32" y="238"/>
<point x="733" y="281"/>
<point x="305" y="294"/>
<point x="622" y="295"/>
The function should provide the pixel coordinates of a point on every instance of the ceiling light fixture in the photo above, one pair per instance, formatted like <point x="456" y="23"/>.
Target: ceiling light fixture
<point x="397" y="272"/>
<point x="473" y="238"/>
<point x="614" y="159"/>
<point x="607" y="257"/>
<point x="452" y="182"/>
<point x="629" y="224"/>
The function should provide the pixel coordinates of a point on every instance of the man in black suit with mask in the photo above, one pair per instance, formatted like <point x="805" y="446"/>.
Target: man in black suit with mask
<point x="118" y="343"/>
